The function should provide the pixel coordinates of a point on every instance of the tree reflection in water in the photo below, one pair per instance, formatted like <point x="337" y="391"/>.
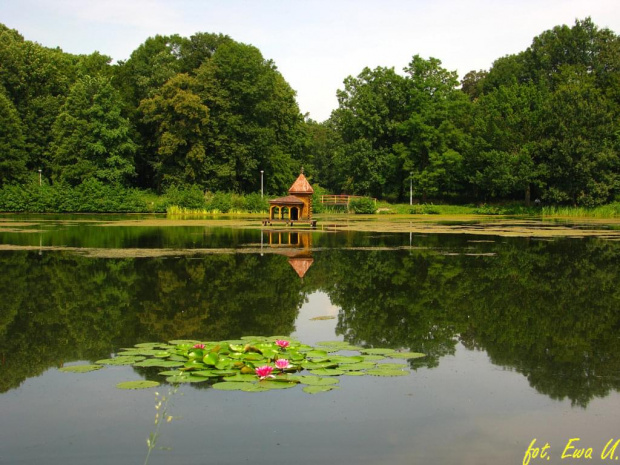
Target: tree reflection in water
<point x="548" y="310"/>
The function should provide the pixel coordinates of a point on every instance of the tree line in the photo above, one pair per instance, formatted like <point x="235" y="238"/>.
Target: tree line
<point x="211" y="113"/>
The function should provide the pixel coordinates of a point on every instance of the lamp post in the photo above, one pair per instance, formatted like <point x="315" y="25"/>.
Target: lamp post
<point x="261" y="183"/>
<point x="39" y="177"/>
<point x="410" y="189"/>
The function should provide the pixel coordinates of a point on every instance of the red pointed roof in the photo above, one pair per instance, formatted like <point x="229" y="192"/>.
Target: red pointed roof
<point x="301" y="186"/>
<point x="301" y="265"/>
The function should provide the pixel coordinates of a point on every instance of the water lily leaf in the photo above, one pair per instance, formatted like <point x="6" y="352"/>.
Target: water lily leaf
<point x="316" y="353"/>
<point x="273" y="384"/>
<point x="120" y="360"/>
<point x="377" y="351"/>
<point x="224" y="372"/>
<point x="372" y="358"/>
<point x="314" y="380"/>
<point x="80" y="368"/>
<point x="379" y="372"/>
<point x="308" y="365"/>
<point x="155" y="362"/>
<point x="391" y="366"/>
<point x="185" y="379"/>
<point x="357" y="366"/>
<point x="211" y="358"/>
<point x="171" y="373"/>
<point x="177" y="358"/>
<point x="252" y="387"/>
<point x="206" y="374"/>
<point x="355" y="373"/>
<point x="178" y="342"/>
<point x="346" y="359"/>
<point x="332" y="343"/>
<point x="240" y="378"/>
<point x="142" y="384"/>
<point x="327" y="372"/>
<point x="146" y="352"/>
<point x="407" y="355"/>
<point x="270" y="353"/>
<point x="254" y="338"/>
<point x="147" y="345"/>
<point x="317" y="389"/>
<point x="254" y="357"/>
<point x="236" y="348"/>
<point x="228" y="386"/>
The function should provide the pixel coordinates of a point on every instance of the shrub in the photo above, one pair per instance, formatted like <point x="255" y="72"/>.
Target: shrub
<point x="255" y="204"/>
<point x="424" y="209"/>
<point x="362" y="206"/>
<point x="221" y="201"/>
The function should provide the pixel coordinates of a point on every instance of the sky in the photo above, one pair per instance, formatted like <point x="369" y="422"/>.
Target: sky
<point x="315" y="44"/>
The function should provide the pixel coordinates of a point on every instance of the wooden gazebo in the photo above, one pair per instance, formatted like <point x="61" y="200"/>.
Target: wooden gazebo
<point x="295" y="207"/>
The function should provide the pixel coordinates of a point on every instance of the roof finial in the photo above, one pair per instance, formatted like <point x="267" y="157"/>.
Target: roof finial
<point x="302" y="170"/>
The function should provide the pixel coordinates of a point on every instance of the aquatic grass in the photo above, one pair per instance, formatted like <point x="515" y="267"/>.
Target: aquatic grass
<point x="611" y="210"/>
<point x="161" y="416"/>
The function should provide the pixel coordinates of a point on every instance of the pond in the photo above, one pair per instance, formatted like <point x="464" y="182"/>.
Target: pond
<point x="520" y="332"/>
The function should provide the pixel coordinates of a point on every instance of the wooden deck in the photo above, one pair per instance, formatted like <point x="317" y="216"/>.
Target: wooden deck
<point x="289" y="223"/>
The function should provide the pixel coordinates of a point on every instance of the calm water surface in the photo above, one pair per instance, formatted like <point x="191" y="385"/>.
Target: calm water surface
<point x="521" y="336"/>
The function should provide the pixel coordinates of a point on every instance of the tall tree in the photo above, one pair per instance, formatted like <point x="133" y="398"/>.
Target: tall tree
<point x="12" y="146"/>
<point x="179" y="118"/>
<point x="91" y="138"/>
<point x="254" y="124"/>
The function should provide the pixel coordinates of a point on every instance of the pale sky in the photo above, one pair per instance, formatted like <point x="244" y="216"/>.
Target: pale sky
<point x="315" y="44"/>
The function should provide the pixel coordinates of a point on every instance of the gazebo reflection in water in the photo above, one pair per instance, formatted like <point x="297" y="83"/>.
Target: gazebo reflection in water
<point x="296" y="245"/>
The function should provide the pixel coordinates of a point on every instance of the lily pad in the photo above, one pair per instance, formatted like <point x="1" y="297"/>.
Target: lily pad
<point x="327" y="372"/>
<point x="377" y="351"/>
<point x="175" y="379"/>
<point x="252" y="387"/>
<point x="155" y="362"/>
<point x="229" y="386"/>
<point x="358" y="366"/>
<point x="142" y="384"/>
<point x="273" y="384"/>
<point x="391" y="366"/>
<point x="346" y="359"/>
<point x="80" y="368"/>
<point x="315" y="380"/>
<point x="120" y="360"/>
<point x="317" y="389"/>
<point x="240" y="378"/>
<point x="355" y="373"/>
<point x="379" y="372"/>
<point x="372" y="358"/>
<point x="407" y="355"/>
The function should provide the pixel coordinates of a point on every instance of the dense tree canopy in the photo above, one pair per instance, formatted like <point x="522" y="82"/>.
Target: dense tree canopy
<point x="211" y="113"/>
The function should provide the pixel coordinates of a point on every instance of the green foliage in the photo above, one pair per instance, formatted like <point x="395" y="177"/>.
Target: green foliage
<point x="185" y="197"/>
<point x="363" y="206"/>
<point x="12" y="145"/>
<point x="90" y="137"/>
<point x="424" y="209"/>
<point x="254" y="203"/>
<point x="92" y="196"/>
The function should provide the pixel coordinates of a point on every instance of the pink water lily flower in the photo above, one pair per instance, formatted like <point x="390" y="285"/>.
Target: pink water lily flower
<point x="283" y="364"/>
<point x="198" y="346"/>
<point x="282" y="343"/>
<point x="264" y="372"/>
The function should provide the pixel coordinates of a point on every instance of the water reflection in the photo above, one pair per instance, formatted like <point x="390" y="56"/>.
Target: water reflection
<point x="545" y="309"/>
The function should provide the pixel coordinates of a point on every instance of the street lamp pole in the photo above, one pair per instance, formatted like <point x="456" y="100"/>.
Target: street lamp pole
<point x="410" y="188"/>
<point x="261" y="183"/>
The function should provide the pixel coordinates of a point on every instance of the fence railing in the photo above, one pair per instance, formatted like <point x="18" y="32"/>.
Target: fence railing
<point x="341" y="199"/>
